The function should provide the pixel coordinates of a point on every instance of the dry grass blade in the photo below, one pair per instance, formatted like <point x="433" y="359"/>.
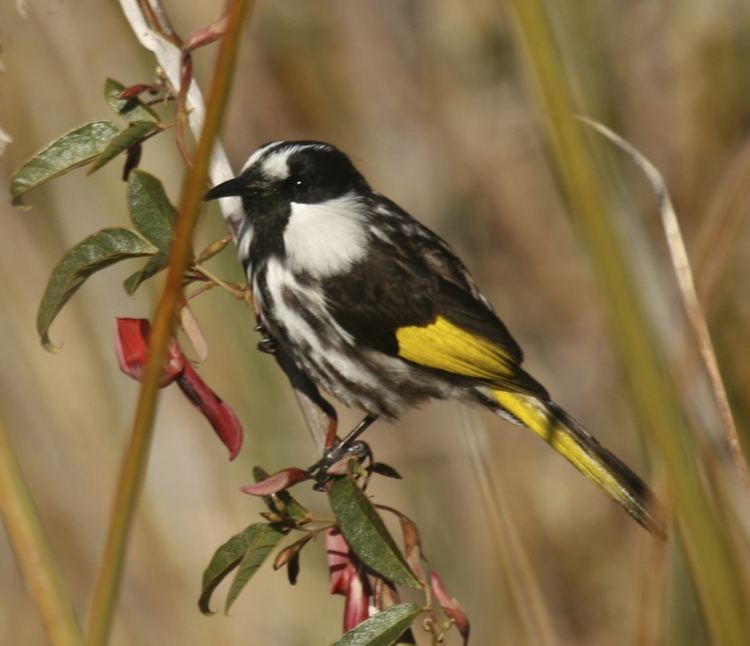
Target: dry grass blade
<point x="688" y="293"/>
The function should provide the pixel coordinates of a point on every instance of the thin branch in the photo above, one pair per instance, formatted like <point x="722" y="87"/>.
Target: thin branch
<point x="32" y="550"/>
<point x="134" y="464"/>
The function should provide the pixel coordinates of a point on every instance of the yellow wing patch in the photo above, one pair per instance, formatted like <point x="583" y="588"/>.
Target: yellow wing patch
<point x="445" y="346"/>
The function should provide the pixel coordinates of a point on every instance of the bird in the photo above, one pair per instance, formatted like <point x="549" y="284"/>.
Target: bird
<point x="378" y="310"/>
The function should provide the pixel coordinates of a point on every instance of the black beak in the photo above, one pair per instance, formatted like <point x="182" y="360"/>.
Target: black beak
<point x="234" y="187"/>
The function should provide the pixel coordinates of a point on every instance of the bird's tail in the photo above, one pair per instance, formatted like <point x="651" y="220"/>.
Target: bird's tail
<point x="569" y="438"/>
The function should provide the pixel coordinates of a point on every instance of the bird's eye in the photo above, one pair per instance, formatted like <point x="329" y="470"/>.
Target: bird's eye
<point x="301" y="186"/>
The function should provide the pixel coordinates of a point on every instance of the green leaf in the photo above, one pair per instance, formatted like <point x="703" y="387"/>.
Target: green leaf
<point x="153" y="266"/>
<point x="153" y="216"/>
<point x="366" y="533"/>
<point x="382" y="629"/>
<point x="131" y="109"/>
<point x="70" y="151"/>
<point x="95" y="252"/>
<point x="132" y="135"/>
<point x="224" y="560"/>
<point x="262" y="542"/>
<point x="150" y="209"/>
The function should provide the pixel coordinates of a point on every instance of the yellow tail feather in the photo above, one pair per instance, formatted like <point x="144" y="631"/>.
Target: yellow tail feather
<point x="568" y="438"/>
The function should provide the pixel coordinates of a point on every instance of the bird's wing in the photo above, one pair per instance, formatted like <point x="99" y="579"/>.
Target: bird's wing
<point x="466" y="339"/>
<point x="401" y="300"/>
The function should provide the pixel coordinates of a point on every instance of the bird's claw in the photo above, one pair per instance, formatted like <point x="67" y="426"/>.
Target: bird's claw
<point x="267" y="345"/>
<point x="335" y="462"/>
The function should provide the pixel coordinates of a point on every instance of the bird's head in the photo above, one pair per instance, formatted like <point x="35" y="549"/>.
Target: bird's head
<point x="303" y="200"/>
<point x="283" y="172"/>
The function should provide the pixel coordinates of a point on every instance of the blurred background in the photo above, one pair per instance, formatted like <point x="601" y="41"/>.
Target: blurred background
<point x="432" y="101"/>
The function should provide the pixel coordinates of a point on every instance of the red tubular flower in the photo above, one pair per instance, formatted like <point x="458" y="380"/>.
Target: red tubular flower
<point x="340" y="566"/>
<point x="348" y="578"/>
<point x="131" y="345"/>
<point x="357" y="606"/>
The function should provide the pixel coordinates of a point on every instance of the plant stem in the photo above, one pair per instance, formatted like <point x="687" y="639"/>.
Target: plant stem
<point x="40" y="571"/>
<point x="134" y="463"/>
<point x="714" y="564"/>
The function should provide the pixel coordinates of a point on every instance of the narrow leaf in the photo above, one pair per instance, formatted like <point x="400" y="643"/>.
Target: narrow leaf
<point x="277" y="482"/>
<point x="382" y="629"/>
<point x="189" y="325"/>
<point x="224" y="560"/>
<point x="153" y="216"/>
<point x="206" y="35"/>
<point x="153" y="266"/>
<point x="384" y="469"/>
<point x="366" y="533"/>
<point x="131" y="136"/>
<point x="213" y="248"/>
<point x="132" y="159"/>
<point x="95" y="252"/>
<point x="70" y="151"/>
<point x="131" y="108"/>
<point x="292" y="569"/>
<point x="291" y="551"/>
<point x="450" y="606"/>
<point x="264" y="540"/>
<point x="150" y="209"/>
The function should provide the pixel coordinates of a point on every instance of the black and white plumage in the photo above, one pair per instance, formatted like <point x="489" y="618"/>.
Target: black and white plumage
<point x="377" y="309"/>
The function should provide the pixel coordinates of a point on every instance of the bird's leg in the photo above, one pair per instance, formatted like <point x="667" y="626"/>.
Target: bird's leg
<point x="266" y="343"/>
<point x="347" y="446"/>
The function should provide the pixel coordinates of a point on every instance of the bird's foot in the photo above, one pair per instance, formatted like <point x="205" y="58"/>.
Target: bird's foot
<point x="266" y="343"/>
<point x="335" y="461"/>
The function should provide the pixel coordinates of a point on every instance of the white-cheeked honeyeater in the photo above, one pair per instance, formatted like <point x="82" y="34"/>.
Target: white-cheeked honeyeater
<point x="376" y="309"/>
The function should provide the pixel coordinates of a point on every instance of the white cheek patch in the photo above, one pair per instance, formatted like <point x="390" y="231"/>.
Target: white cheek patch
<point x="327" y="238"/>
